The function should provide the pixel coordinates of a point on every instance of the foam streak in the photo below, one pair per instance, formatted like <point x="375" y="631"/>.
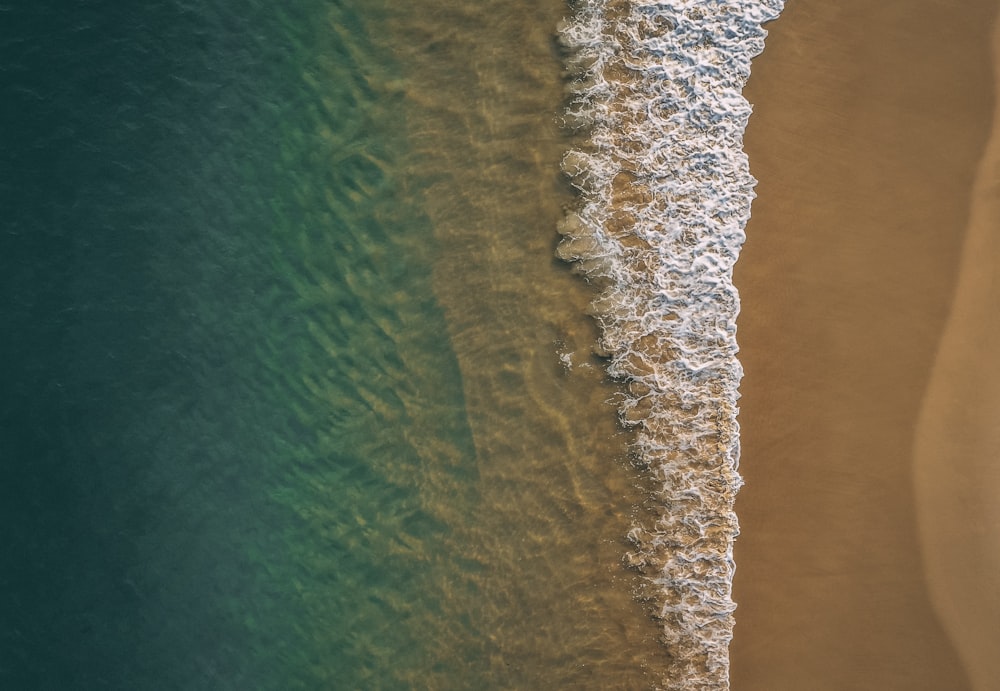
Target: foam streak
<point x="665" y="196"/>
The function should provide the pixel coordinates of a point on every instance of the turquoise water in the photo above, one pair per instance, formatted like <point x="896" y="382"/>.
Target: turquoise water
<point x="243" y="346"/>
<point x="284" y="405"/>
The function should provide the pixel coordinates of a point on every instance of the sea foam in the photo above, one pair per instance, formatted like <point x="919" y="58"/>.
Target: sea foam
<point x="665" y="193"/>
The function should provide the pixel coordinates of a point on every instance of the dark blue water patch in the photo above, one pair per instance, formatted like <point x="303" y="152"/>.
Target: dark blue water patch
<point x="226" y="390"/>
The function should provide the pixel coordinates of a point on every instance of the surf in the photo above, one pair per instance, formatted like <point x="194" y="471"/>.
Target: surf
<point x="664" y="194"/>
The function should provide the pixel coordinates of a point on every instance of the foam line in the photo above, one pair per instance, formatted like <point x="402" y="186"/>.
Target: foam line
<point x="665" y="194"/>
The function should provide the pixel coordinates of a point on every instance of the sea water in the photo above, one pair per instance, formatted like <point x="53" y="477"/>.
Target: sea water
<point x="296" y="395"/>
<point x="227" y="403"/>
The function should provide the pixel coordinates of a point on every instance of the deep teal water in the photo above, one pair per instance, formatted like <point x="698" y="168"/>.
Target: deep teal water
<point x="229" y="407"/>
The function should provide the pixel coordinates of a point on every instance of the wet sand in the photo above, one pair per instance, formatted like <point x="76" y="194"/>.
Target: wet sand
<point x="957" y="452"/>
<point x="870" y="120"/>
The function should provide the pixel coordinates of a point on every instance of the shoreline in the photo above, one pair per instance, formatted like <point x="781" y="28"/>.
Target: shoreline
<point x="865" y="142"/>
<point x="665" y="193"/>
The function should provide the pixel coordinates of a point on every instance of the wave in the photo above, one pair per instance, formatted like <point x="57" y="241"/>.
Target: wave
<point x="665" y="194"/>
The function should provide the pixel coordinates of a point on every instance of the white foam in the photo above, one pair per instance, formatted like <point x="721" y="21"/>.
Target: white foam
<point x="665" y="193"/>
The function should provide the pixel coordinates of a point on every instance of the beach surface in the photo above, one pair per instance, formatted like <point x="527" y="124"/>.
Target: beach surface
<point x="870" y="120"/>
<point x="957" y="451"/>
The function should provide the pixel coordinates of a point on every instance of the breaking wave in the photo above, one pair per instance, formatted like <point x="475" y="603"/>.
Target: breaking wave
<point x="665" y="194"/>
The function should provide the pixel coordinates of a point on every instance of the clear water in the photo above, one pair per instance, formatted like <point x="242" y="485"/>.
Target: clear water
<point x="296" y="395"/>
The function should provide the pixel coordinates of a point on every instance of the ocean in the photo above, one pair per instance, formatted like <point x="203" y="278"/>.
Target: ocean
<point x="367" y="345"/>
<point x="358" y="345"/>
<point x="297" y="395"/>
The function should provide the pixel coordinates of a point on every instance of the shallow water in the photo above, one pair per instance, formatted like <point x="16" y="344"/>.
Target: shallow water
<point x="298" y="396"/>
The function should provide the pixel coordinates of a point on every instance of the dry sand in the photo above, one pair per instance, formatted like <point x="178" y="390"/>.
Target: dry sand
<point x="870" y="119"/>
<point x="957" y="452"/>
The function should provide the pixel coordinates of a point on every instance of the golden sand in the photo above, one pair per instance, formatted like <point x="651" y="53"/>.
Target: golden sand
<point x="870" y="118"/>
<point x="957" y="452"/>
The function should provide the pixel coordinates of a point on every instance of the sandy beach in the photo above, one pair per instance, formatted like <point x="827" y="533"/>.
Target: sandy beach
<point x="870" y="121"/>
<point x="958" y="440"/>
